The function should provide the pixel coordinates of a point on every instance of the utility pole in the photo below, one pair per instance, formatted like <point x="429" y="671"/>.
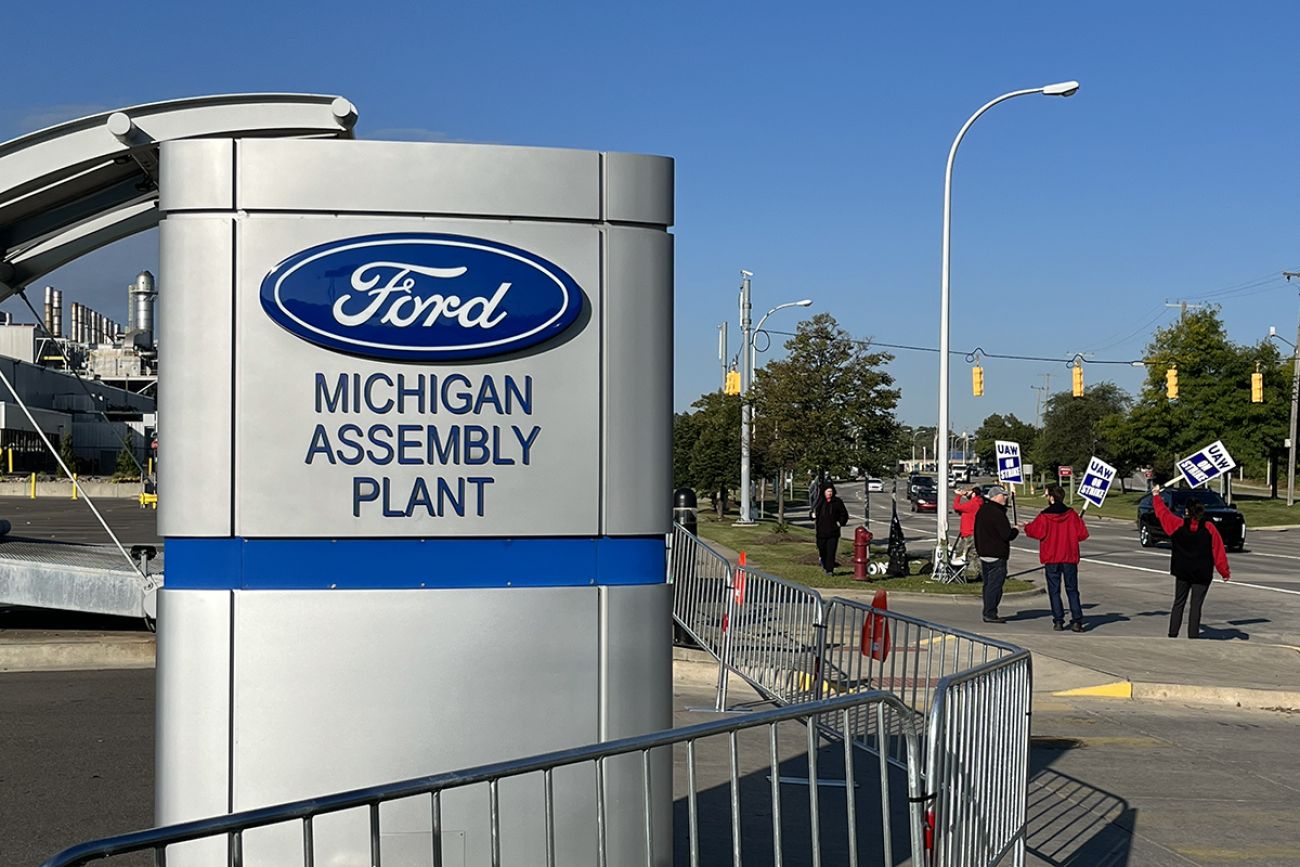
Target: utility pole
<point x="746" y="410"/>
<point x="1043" y="391"/>
<point x="1183" y="307"/>
<point x="722" y="352"/>
<point x="1295" y="406"/>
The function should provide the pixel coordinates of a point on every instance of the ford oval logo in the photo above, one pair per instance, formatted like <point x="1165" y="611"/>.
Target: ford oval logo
<point x="421" y="297"/>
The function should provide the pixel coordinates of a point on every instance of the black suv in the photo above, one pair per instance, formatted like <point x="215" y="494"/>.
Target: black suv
<point x="1227" y="520"/>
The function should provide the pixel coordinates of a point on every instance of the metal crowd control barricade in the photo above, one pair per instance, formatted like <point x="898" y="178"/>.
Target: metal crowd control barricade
<point x="764" y="629"/>
<point x="971" y="693"/>
<point x="754" y="759"/>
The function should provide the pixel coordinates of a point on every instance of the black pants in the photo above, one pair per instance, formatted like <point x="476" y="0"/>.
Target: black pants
<point x="994" y="574"/>
<point x="1181" y="590"/>
<point x="826" y="548"/>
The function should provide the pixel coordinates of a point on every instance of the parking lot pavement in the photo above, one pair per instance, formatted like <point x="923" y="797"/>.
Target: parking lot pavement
<point x="1158" y="785"/>
<point x="67" y="521"/>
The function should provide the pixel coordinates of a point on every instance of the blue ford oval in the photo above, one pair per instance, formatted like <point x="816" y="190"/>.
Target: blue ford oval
<point x="421" y="297"/>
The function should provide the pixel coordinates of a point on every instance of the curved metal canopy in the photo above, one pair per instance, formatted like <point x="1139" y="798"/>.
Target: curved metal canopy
<point x="77" y="186"/>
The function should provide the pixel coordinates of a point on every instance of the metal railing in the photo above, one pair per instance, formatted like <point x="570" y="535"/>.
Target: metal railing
<point x="970" y="693"/>
<point x="978" y="763"/>
<point x="763" y="629"/>
<point x="728" y="803"/>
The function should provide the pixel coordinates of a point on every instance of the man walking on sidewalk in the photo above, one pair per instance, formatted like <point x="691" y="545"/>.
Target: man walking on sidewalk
<point x="1059" y="530"/>
<point x="1197" y="551"/>
<point x="993" y="535"/>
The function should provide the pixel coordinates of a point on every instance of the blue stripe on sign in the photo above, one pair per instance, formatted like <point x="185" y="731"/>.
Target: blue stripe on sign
<point x="373" y="564"/>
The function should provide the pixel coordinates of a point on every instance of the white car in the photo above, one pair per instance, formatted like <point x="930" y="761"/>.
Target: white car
<point x="875" y="486"/>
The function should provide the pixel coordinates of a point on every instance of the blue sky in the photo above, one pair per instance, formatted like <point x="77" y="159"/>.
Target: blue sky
<point x="810" y="143"/>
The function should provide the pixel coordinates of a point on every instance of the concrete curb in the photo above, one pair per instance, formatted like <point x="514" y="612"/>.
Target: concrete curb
<point x="78" y="655"/>
<point x="1234" y="696"/>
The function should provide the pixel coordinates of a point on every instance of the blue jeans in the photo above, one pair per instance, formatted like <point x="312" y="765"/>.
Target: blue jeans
<point x="1070" y="572"/>
<point x="993" y="574"/>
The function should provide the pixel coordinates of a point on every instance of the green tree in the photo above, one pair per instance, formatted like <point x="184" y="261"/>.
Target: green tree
<point x="1213" y="398"/>
<point x="714" y="464"/>
<point x="66" y="451"/>
<point x="827" y="406"/>
<point x="1071" y="431"/>
<point x="685" y="432"/>
<point x="126" y="467"/>
<point x="1002" y="427"/>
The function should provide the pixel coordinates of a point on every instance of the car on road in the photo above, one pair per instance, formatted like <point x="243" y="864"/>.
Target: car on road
<point x="916" y="480"/>
<point x="923" y="498"/>
<point x="875" y="486"/>
<point x="1230" y="523"/>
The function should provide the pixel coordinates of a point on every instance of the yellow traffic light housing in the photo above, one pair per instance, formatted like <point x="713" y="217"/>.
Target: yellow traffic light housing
<point x="1171" y="383"/>
<point x="977" y="381"/>
<point x="1257" y="385"/>
<point x="733" y="382"/>
<point x="1077" y="375"/>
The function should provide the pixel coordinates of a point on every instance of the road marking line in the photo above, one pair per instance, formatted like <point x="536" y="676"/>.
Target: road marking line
<point x="1118" y="689"/>
<point x="1263" y="587"/>
<point x="1279" y="556"/>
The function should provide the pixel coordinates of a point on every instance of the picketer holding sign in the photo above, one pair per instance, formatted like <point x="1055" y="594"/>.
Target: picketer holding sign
<point x="1197" y="551"/>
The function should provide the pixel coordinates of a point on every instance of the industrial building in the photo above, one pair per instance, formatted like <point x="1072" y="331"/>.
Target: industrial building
<point x="112" y="406"/>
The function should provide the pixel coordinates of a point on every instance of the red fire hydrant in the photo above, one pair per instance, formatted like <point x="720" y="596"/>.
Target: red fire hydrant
<point x="861" y="553"/>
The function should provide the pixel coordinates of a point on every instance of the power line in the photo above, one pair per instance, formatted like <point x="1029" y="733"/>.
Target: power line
<point x="980" y="353"/>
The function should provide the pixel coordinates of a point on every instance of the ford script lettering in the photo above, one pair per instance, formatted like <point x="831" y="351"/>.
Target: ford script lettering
<point x="421" y="297"/>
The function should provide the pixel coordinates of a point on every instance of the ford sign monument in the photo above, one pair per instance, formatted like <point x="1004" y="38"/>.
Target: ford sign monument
<point x="416" y="487"/>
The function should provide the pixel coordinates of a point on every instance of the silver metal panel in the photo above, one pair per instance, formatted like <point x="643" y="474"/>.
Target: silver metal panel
<point x="40" y="158"/>
<point x="197" y="174"/>
<point x="638" y="380"/>
<point x="193" y="718"/>
<point x="557" y="494"/>
<point x="638" y="189"/>
<point x="335" y="690"/>
<point x="636" y="687"/>
<point x="418" y="178"/>
<point x="93" y="579"/>
<point x="195" y="397"/>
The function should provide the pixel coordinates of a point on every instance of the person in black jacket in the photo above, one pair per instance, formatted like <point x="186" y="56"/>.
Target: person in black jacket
<point x="829" y="516"/>
<point x="993" y="535"/>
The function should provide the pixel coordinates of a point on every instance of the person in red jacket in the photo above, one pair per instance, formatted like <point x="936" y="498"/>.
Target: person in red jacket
<point x="1059" y="530"/>
<point x="966" y="503"/>
<point x="1197" y="551"/>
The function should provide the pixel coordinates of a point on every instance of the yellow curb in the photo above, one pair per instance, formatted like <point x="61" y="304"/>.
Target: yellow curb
<point x="1118" y="689"/>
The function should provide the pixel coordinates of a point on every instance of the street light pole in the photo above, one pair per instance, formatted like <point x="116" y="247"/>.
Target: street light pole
<point x="746" y="381"/>
<point x="1065" y="88"/>
<point x="1295" y="408"/>
<point x="745" y="410"/>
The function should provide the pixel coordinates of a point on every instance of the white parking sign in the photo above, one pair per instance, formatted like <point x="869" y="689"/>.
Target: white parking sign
<point x="1009" y="467"/>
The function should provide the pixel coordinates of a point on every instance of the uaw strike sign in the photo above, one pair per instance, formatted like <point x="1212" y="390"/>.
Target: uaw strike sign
<point x="1206" y="465"/>
<point x="1096" y="482"/>
<point x="1010" y="468"/>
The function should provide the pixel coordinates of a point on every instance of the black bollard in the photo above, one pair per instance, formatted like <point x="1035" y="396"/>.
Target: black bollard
<point x="684" y="503"/>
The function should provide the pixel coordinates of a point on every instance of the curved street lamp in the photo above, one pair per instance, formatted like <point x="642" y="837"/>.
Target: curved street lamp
<point x="746" y="408"/>
<point x="1063" y="88"/>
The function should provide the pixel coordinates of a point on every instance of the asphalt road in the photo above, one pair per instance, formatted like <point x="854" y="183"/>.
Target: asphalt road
<point x="1111" y="783"/>
<point x="1124" y="582"/>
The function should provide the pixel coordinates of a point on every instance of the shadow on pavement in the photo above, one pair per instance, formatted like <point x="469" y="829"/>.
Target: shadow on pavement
<point x="755" y="806"/>
<point x="1071" y="822"/>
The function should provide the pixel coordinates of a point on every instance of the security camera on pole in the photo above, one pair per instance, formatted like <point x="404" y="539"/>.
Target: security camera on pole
<point x="1064" y="88"/>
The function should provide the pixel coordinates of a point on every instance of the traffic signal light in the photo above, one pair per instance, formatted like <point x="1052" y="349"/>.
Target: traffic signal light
<point x="1077" y="374"/>
<point x="1171" y="383"/>
<point x="1257" y="385"/>
<point x="733" y="382"/>
<point x="977" y="381"/>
